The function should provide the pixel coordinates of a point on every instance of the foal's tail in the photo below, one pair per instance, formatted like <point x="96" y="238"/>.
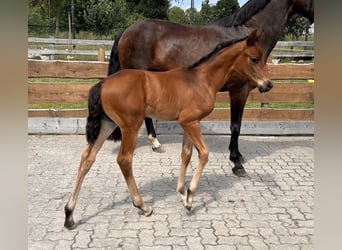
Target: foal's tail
<point x="95" y="113"/>
<point x="114" y="66"/>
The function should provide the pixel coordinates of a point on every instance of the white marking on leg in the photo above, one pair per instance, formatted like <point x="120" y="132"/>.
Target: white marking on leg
<point x="154" y="141"/>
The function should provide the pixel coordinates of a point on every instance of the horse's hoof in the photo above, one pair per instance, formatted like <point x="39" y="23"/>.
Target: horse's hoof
<point x="69" y="224"/>
<point x="188" y="206"/>
<point x="242" y="159"/>
<point x="240" y="172"/>
<point x="158" y="149"/>
<point x="148" y="212"/>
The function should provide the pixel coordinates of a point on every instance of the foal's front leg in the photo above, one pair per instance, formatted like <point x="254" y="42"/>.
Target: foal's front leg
<point x="186" y="156"/>
<point x="125" y="160"/>
<point x="193" y="130"/>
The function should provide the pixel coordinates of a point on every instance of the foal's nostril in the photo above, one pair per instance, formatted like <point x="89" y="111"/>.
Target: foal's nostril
<point x="269" y="85"/>
<point x="266" y="87"/>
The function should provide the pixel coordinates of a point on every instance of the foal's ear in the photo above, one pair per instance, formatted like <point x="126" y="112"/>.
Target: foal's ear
<point x="253" y="37"/>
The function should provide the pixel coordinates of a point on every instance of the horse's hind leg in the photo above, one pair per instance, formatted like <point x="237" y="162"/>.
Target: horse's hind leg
<point x="87" y="160"/>
<point x="125" y="160"/>
<point x="186" y="156"/>
<point x="152" y="137"/>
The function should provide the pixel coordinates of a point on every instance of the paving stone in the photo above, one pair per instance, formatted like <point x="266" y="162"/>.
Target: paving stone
<point x="271" y="208"/>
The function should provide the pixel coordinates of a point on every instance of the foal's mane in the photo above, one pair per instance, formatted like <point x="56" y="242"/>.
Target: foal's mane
<point x="218" y="48"/>
<point x="251" y="8"/>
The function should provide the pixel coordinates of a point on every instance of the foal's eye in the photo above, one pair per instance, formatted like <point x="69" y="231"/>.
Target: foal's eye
<point x="254" y="60"/>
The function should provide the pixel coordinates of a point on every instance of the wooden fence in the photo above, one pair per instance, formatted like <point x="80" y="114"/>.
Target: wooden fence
<point x="50" y="47"/>
<point x="295" y="87"/>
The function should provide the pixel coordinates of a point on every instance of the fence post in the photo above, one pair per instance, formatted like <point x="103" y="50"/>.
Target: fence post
<point x="101" y="55"/>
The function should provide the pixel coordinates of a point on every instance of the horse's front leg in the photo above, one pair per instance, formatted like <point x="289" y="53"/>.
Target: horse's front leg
<point x="152" y="137"/>
<point x="193" y="131"/>
<point x="125" y="160"/>
<point x="186" y="156"/>
<point x="237" y="100"/>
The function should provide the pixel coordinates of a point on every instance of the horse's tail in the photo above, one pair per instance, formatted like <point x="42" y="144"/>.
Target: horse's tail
<point x="114" y="66"/>
<point x="114" y="63"/>
<point x="95" y="113"/>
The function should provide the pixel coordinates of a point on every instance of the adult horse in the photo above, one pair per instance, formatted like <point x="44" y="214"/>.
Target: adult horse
<point x="161" y="45"/>
<point x="183" y="94"/>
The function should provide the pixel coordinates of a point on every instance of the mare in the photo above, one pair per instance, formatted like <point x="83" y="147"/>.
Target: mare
<point x="160" y="45"/>
<point x="185" y="94"/>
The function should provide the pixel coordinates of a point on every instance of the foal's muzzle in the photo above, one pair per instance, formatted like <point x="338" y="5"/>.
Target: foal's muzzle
<point x="265" y="87"/>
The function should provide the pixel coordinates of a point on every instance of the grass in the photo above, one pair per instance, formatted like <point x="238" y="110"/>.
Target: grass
<point x="271" y="105"/>
<point x="60" y="106"/>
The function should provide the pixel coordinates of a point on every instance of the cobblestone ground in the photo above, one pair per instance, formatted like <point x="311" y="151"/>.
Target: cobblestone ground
<point x="271" y="208"/>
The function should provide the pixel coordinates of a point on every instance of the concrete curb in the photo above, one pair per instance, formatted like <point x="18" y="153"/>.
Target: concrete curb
<point x="57" y="125"/>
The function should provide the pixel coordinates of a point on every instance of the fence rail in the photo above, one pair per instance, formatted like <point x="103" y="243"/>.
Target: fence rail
<point x="290" y="89"/>
<point x="303" y="50"/>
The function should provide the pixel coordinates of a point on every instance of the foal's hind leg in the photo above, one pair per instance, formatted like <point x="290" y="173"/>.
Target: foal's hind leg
<point x="125" y="160"/>
<point x="87" y="160"/>
<point x="194" y="132"/>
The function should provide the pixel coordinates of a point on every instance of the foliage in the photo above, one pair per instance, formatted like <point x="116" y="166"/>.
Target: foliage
<point x="297" y="26"/>
<point x="102" y="16"/>
<point x="177" y="15"/>
<point x="109" y="17"/>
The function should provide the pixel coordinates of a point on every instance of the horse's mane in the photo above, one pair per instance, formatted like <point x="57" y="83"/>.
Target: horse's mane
<point x="218" y="48"/>
<point x="244" y="14"/>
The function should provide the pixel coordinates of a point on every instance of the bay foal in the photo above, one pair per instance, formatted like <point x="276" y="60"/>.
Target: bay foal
<point x="184" y="94"/>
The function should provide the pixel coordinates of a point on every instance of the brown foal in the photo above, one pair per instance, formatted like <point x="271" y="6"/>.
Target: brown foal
<point x="187" y="95"/>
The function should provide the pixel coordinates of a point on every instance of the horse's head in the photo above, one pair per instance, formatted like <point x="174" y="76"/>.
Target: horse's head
<point x="255" y="68"/>
<point x="305" y="8"/>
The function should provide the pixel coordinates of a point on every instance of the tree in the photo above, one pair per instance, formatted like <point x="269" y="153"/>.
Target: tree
<point x="225" y="8"/>
<point x="177" y="15"/>
<point x="103" y="16"/>
<point x="206" y="15"/>
<point x="150" y="8"/>
<point x="296" y="27"/>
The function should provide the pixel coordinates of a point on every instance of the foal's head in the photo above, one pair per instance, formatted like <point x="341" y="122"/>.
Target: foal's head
<point x="251" y="66"/>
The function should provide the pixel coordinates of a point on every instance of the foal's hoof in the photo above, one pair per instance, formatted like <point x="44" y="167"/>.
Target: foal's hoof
<point x="148" y="212"/>
<point x="69" y="224"/>
<point x="239" y="171"/>
<point x="188" y="206"/>
<point x="158" y="149"/>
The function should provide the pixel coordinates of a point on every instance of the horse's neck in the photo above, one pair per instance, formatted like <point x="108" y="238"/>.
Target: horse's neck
<point x="272" y="24"/>
<point x="216" y="70"/>
<point x="272" y="20"/>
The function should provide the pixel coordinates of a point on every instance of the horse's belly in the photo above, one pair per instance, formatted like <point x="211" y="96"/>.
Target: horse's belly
<point x="164" y="114"/>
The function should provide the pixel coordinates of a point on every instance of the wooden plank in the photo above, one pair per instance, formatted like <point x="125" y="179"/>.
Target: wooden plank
<point x="291" y="71"/>
<point x="58" y="93"/>
<point x="73" y="93"/>
<point x="281" y="92"/>
<point x="82" y="69"/>
<point x="67" y="69"/>
<point x="70" y="41"/>
<point x="65" y="52"/>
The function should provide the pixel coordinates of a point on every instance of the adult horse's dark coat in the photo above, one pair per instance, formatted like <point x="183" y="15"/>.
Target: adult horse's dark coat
<point x="161" y="45"/>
